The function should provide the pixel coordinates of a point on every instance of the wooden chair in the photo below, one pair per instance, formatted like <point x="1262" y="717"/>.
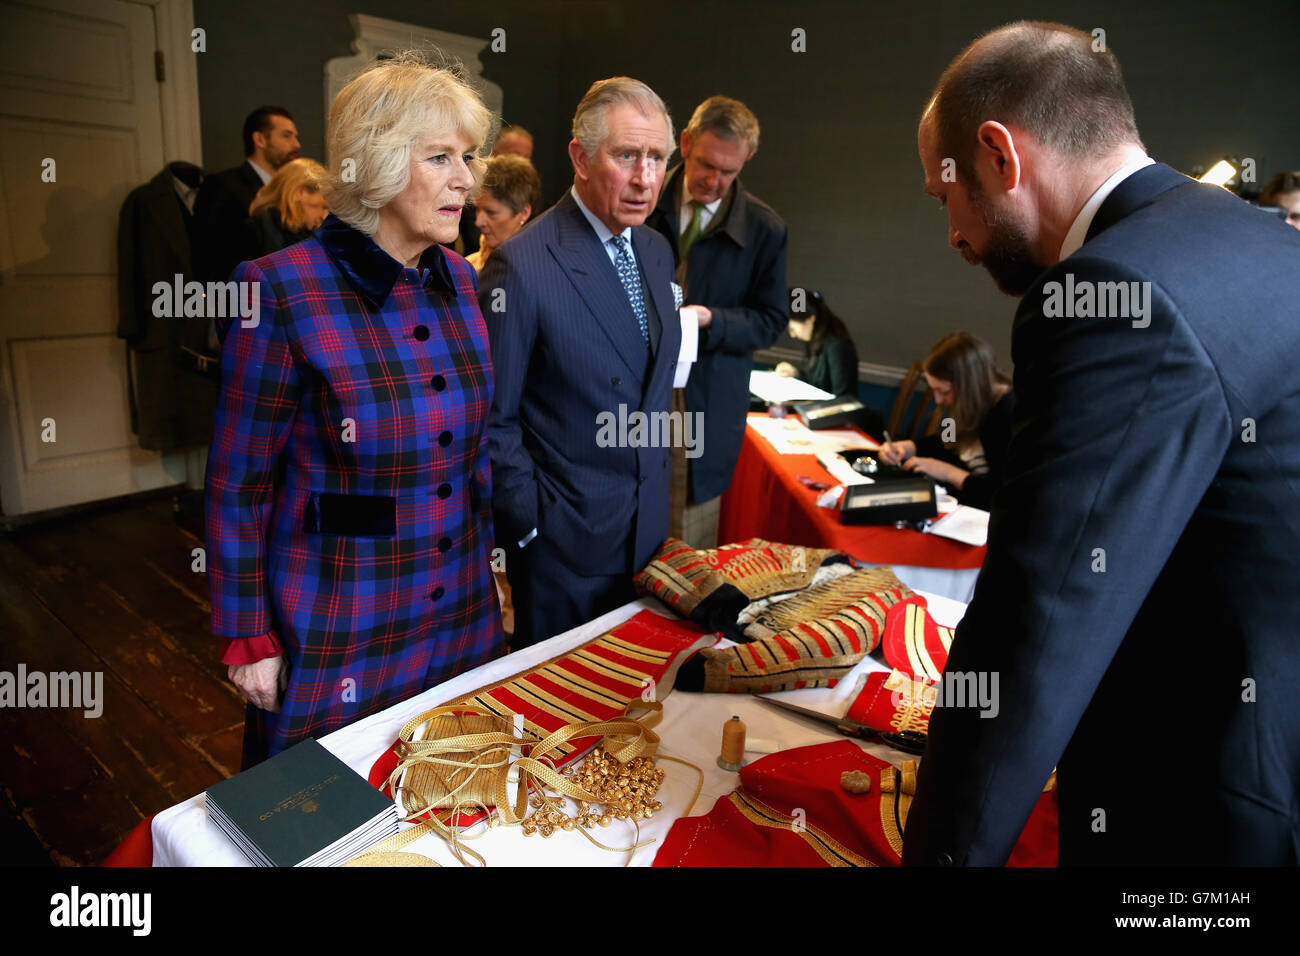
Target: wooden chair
<point x="925" y="416"/>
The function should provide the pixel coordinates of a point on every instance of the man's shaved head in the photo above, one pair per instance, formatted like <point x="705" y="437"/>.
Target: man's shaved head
<point x="1053" y="81"/>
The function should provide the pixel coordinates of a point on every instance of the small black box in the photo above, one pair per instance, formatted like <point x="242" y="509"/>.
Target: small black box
<point x="907" y="499"/>
<point x="829" y="412"/>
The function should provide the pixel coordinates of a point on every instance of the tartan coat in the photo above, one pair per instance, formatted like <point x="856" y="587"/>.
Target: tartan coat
<point x="349" y="484"/>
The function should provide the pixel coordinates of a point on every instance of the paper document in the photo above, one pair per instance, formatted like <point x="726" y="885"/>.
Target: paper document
<point x="789" y="436"/>
<point x="965" y="524"/>
<point x="842" y="471"/>
<point x="690" y="349"/>
<point x="776" y="389"/>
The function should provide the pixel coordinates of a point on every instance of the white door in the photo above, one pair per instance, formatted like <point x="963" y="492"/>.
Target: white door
<point x="78" y="88"/>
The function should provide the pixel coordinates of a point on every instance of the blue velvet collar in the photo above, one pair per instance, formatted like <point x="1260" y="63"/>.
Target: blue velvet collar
<point x="370" y="269"/>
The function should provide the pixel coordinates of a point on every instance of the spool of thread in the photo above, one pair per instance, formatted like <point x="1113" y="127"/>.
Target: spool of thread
<point x="733" y="745"/>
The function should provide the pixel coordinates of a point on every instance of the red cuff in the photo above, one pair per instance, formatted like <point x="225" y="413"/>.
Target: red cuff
<point x="250" y="650"/>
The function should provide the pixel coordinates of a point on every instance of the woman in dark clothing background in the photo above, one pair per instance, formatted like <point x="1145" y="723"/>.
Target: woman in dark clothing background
<point x="286" y="210"/>
<point x="978" y="399"/>
<point x="830" y="358"/>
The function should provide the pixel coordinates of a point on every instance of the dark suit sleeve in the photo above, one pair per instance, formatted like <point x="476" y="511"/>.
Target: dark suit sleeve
<point x="762" y="318"/>
<point x="995" y="435"/>
<point x="218" y="222"/>
<point x="1117" y="434"/>
<point x="511" y="318"/>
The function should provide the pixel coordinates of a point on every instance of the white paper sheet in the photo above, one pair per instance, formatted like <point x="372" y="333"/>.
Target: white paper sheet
<point x="789" y="436"/>
<point x="775" y="389"/>
<point x="690" y="350"/>
<point x="965" y="524"/>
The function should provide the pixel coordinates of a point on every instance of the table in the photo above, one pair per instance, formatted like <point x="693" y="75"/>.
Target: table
<point x="767" y="501"/>
<point x="691" y="729"/>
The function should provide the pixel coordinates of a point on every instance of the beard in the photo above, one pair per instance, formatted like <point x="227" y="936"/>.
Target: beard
<point x="1007" y="255"/>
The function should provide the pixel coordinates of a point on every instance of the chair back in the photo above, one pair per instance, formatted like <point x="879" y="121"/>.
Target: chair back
<point x="925" y="415"/>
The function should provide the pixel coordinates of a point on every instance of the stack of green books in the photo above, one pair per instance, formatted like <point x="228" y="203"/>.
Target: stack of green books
<point x="303" y="807"/>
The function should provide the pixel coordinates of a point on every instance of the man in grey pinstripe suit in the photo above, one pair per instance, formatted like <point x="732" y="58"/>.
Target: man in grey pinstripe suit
<point x="580" y="310"/>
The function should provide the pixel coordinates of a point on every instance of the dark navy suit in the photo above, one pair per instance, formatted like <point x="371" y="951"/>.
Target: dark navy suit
<point x="566" y="348"/>
<point x="737" y="270"/>
<point x="1164" y="680"/>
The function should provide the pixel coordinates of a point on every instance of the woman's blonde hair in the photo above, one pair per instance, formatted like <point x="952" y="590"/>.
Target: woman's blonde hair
<point x="376" y="122"/>
<point x="281" y="191"/>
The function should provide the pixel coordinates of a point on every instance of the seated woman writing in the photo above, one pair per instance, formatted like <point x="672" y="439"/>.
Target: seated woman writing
<point x="979" y="401"/>
<point x="830" y="358"/>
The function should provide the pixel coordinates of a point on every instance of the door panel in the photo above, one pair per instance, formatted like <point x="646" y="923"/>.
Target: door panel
<point x="77" y="86"/>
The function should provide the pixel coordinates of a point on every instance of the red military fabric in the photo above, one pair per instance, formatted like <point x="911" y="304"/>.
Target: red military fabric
<point x="894" y="702"/>
<point x="914" y="643"/>
<point x="596" y="681"/>
<point x="790" y="810"/>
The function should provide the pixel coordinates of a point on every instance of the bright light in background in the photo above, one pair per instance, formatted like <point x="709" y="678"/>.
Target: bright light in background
<point x="1219" y="173"/>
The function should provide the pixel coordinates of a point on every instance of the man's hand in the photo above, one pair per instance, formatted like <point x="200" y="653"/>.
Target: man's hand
<point x="260" y="683"/>
<point x="704" y="316"/>
<point x="897" y="452"/>
<point x="786" y="370"/>
<point x="941" y="471"/>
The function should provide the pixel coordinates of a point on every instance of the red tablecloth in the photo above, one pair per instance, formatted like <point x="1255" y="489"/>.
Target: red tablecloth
<point x="767" y="501"/>
<point x="136" y="849"/>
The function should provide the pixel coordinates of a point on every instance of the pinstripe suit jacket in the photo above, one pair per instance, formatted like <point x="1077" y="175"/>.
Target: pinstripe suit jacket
<point x="565" y="348"/>
<point x="348" y="481"/>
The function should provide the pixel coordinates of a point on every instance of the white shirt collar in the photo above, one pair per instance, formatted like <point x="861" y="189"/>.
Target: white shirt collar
<point x="602" y="231"/>
<point x="710" y="207"/>
<point x="1079" y="231"/>
<point x="262" y="174"/>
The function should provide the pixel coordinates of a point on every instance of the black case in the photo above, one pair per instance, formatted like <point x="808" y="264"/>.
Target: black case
<point x="906" y="499"/>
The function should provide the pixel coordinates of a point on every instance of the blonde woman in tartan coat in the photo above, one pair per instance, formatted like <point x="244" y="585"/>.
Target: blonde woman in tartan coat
<point x="348" y="488"/>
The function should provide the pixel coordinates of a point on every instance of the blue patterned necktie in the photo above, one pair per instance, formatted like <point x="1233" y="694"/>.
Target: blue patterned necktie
<point x="631" y="280"/>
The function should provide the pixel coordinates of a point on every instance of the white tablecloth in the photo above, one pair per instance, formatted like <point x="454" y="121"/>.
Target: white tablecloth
<point x="691" y="729"/>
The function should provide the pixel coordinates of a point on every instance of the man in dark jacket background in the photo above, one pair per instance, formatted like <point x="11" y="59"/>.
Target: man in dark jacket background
<point x="729" y="248"/>
<point x="270" y="141"/>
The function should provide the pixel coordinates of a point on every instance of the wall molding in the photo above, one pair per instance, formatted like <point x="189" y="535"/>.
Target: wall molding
<point x="376" y="35"/>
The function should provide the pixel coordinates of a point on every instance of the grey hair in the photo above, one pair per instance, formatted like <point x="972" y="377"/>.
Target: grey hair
<point x="725" y="117"/>
<point x="591" y="119"/>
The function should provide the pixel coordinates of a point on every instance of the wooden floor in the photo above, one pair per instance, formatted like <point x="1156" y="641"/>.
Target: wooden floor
<point x="111" y="591"/>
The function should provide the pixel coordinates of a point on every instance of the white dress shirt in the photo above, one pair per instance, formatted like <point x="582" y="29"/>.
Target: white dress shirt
<point x="262" y="174"/>
<point x="707" y="212"/>
<point x="1082" y="222"/>
<point x="602" y="231"/>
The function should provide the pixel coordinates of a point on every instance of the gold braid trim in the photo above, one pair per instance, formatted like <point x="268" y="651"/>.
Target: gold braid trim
<point x="797" y="656"/>
<point x="683" y="578"/>
<point x="823" y="599"/>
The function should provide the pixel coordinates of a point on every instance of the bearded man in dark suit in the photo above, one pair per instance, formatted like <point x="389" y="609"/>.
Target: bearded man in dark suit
<point x="270" y="141"/>
<point x="1140" y="582"/>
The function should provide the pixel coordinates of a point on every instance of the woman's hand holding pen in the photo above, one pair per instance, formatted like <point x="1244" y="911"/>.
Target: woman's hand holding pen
<point x="895" y="452"/>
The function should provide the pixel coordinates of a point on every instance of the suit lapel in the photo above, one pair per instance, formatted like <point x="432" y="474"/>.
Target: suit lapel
<point x="658" y="274"/>
<point x="579" y="253"/>
<point x="1132" y="194"/>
